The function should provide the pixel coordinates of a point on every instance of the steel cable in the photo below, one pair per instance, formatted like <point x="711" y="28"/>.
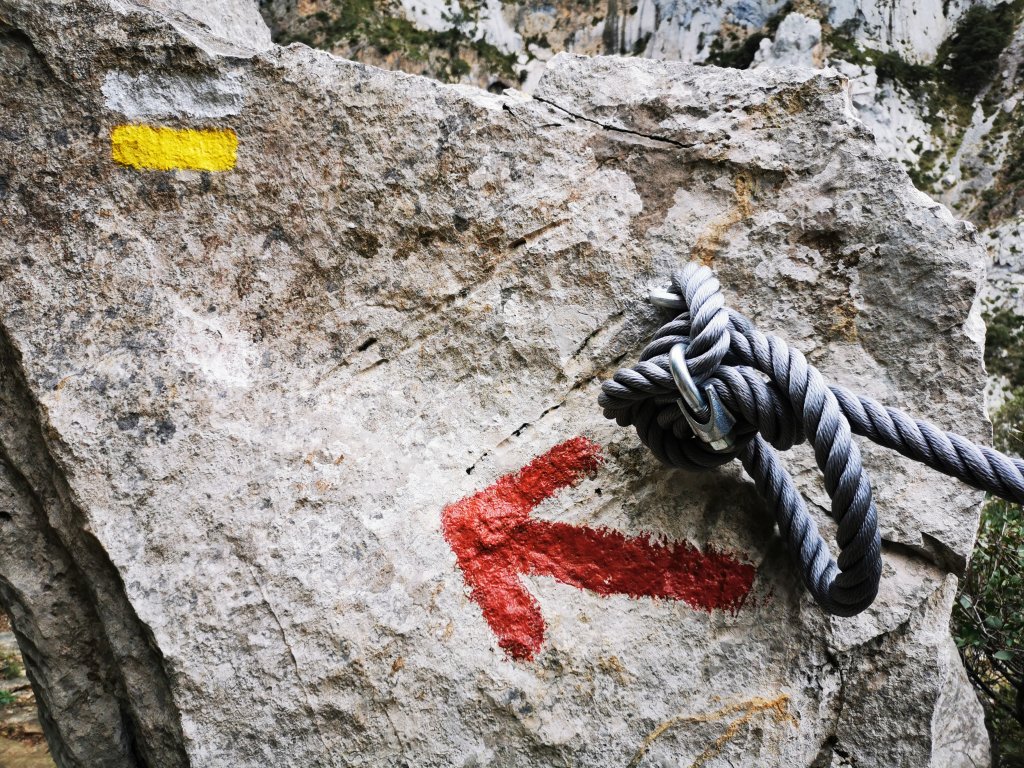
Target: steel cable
<point x="777" y="400"/>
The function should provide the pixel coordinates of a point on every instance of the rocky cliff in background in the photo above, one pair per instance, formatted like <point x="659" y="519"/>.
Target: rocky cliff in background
<point x="266" y="314"/>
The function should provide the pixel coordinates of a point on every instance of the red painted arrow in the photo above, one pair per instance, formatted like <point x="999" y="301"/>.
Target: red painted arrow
<point x="495" y="541"/>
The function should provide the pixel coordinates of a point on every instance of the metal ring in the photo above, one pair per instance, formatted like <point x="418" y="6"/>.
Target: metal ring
<point x="704" y="412"/>
<point x="684" y="382"/>
<point x="665" y="299"/>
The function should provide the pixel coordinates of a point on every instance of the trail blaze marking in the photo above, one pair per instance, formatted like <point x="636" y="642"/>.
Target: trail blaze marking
<point x="166" y="149"/>
<point x="495" y="542"/>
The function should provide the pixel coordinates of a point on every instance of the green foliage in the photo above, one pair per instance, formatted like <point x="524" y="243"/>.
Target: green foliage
<point x="346" y="18"/>
<point x="841" y="42"/>
<point x="988" y="617"/>
<point x="1008" y="424"/>
<point x="969" y="58"/>
<point x="916" y="79"/>
<point x="742" y="56"/>
<point x="6" y="698"/>
<point x="1003" y="197"/>
<point x="371" y="23"/>
<point x="892" y="66"/>
<point x="988" y="621"/>
<point x="10" y="666"/>
<point x="1004" y="345"/>
<point x="947" y="89"/>
<point x="966" y="61"/>
<point x="923" y="174"/>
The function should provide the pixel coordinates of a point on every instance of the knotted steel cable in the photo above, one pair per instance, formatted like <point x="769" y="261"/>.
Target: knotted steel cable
<point x="710" y="387"/>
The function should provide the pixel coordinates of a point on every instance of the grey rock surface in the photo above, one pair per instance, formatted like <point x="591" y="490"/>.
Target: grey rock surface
<point x="222" y="26"/>
<point x="235" y="404"/>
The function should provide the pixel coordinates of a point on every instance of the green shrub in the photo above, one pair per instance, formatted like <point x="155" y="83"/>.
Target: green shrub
<point x="988" y="621"/>
<point x="968" y="60"/>
<point x="988" y="617"/>
<point x="10" y="666"/>
<point x="742" y="56"/>
<point x="1004" y="346"/>
<point x="891" y="66"/>
<point x="372" y="23"/>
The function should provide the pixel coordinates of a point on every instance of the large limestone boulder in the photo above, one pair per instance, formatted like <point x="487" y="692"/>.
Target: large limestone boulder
<point x="274" y="325"/>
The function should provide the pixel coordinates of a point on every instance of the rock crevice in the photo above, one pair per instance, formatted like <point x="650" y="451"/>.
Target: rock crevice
<point x="102" y="689"/>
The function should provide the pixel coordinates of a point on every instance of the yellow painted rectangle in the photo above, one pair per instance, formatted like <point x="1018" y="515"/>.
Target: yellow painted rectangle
<point x="167" y="149"/>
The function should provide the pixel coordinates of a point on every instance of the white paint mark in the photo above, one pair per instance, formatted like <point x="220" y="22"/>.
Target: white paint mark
<point x="145" y="96"/>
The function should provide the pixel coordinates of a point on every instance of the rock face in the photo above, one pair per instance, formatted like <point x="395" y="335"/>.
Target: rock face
<point x="937" y="83"/>
<point x="239" y="404"/>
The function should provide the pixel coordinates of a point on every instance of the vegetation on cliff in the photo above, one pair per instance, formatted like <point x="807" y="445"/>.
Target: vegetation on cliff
<point x="376" y="32"/>
<point x="988" y="619"/>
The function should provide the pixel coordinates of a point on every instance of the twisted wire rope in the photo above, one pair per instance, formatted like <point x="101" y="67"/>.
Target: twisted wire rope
<point x="779" y="400"/>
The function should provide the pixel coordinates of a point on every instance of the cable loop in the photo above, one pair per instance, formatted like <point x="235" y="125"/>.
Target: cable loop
<point x="710" y="387"/>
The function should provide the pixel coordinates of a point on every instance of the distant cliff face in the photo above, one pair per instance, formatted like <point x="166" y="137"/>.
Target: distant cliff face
<point x="485" y="40"/>
<point x="936" y="81"/>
